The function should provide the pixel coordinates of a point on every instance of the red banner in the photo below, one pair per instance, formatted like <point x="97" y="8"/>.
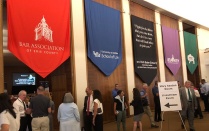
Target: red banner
<point x="39" y="33"/>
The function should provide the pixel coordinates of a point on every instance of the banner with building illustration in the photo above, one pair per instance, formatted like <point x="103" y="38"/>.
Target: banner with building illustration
<point x="171" y="49"/>
<point x="103" y="36"/>
<point x="190" y="42"/>
<point x="145" y="56"/>
<point x="39" y="33"/>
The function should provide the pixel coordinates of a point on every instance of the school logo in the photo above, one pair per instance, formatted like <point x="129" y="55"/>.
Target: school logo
<point x="191" y="58"/>
<point x="172" y="60"/>
<point x="96" y="54"/>
<point x="43" y="31"/>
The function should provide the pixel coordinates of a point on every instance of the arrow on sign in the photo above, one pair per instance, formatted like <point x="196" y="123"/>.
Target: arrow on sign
<point x="168" y="105"/>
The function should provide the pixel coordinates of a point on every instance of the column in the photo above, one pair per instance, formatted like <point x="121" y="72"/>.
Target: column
<point x="202" y="40"/>
<point x="159" y="45"/>
<point x="181" y="40"/>
<point x="79" y="58"/>
<point x="128" y="48"/>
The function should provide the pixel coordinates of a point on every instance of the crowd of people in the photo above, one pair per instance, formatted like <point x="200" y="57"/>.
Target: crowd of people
<point x="35" y="114"/>
<point x="24" y="114"/>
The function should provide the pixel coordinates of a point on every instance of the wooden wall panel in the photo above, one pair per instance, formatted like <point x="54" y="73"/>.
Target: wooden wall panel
<point x="195" y="77"/>
<point x="115" y="4"/>
<point x="147" y="14"/>
<point x="171" y="23"/>
<point x="142" y="12"/>
<point x="97" y="80"/>
<point x="59" y="87"/>
<point x="61" y="82"/>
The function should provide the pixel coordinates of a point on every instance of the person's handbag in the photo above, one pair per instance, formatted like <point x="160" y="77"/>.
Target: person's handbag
<point x="99" y="110"/>
<point x="145" y="102"/>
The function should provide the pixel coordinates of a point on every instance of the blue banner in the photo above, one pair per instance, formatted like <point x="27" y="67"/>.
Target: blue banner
<point x="103" y="36"/>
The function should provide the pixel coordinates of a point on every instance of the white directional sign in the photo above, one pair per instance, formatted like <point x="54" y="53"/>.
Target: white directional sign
<point x="169" y="96"/>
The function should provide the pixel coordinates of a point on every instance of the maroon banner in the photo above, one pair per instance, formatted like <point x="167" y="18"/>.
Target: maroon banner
<point x="39" y="33"/>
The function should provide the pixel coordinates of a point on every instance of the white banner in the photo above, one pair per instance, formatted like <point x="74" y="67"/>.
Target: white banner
<point x="169" y="96"/>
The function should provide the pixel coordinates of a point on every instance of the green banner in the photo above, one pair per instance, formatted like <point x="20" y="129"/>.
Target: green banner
<point x="190" y="42"/>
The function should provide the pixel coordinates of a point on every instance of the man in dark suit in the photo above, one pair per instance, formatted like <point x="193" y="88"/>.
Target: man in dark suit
<point x="155" y="93"/>
<point x="189" y="104"/>
<point x="88" y="109"/>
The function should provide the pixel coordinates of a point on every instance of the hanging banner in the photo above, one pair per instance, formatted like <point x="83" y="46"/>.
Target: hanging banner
<point x="190" y="51"/>
<point x="171" y="49"/>
<point x="103" y="36"/>
<point x="39" y="33"/>
<point x="145" y="61"/>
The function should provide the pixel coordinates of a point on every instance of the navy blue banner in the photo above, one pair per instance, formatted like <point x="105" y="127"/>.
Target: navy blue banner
<point x="145" y="59"/>
<point x="103" y="36"/>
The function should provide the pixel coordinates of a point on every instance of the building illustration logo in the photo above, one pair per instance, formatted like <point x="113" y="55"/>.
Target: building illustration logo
<point x="172" y="60"/>
<point x="191" y="58"/>
<point x="106" y="54"/>
<point x="43" y="30"/>
<point x="96" y="54"/>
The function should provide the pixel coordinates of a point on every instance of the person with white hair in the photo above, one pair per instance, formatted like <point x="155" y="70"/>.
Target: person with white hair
<point x="145" y="103"/>
<point x="20" y="106"/>
<point x="68" y="114"/>
<point x="188" y="103"/>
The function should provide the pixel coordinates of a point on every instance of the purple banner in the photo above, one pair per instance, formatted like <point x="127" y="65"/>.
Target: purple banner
<point x="171" y="49"/>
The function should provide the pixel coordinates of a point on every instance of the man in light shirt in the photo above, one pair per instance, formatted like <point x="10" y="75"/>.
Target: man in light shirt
<point x="204" y="90"/>
<point x="20" y="106"/>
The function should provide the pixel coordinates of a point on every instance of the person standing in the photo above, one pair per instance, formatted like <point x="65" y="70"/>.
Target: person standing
<point x="51" y="126"/>
<point x="155" y="93"/>
<point x="198" y="110"/>
<point x="114" y="91"/>
<point x="68" y="114"/>
<point x="189" y="104"/>
<point x="88" y="109"/>
<point x="40" y="108"/>
<point x="9" y="116"/>
<point x="120" y="107"/>
<point x="20" y="106"/>
<point x="28" y="116"/>
<point x="114" y="94"/>
<point x="145" y="103"/>
<point x="204" y="90"/>
<point x="138" y="109"/>
<point x="97" y="120"/>
<point x="179" y="84"/>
